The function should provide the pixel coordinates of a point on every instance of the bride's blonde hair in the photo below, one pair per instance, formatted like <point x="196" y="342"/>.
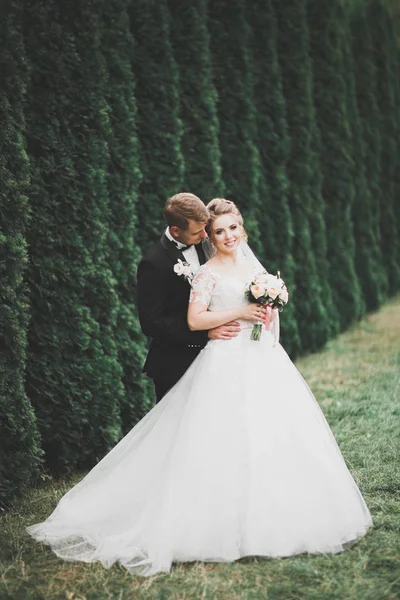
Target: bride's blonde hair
<point x="220" y="206"/>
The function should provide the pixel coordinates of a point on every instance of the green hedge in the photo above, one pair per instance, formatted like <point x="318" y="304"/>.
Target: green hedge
<point x="366" y="89"/>
<point x="385" y="47"/>
<point x="158" y="122"/>
<point x="73" y="376"/>
<point x="290" y="108"/>
<point x="123" y="180"/>
<point x="293" y="49"/>
<point x="232" y="72"/>
<point x="19" y="439"/>
<point x="326" y="25"/>
<point x="273" y="142"/>
<point x="198" y="113"/>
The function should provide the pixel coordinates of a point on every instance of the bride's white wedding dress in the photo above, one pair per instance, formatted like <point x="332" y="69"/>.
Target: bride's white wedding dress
<point x="236" y="460"/>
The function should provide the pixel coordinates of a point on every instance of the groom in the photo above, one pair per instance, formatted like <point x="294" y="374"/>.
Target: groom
<point x="163" y="294"/>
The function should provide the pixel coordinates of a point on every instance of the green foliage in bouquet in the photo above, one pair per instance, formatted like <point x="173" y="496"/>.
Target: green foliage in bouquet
<point x="297" y="87"/>
<point x="19" y="438"/>
<point x="123" y="180"/>
<point x="200" y="145"/>
<point x="273" y="143"/>
<point x="369" y="236"/>
<point x="158" y="123"/>
<point x="330" y="97"/>
<point x="73" y="375"/>
<point x="387" y="77"/>
<point x="232" y="71"/>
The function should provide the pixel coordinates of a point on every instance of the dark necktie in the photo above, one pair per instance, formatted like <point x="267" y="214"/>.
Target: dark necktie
<point x="182" y="248"/>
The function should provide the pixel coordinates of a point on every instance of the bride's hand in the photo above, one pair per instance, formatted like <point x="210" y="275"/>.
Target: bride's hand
<point x="254" y="312"/>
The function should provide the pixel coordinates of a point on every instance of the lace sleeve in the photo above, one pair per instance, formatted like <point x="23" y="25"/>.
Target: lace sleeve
<point x="202" y="287"/>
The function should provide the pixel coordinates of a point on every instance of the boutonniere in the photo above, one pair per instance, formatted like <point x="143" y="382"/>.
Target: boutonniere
<point x="183" y="269"/>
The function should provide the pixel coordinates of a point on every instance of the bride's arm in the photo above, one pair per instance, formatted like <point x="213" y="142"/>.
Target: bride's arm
<point x="200" y="318"/>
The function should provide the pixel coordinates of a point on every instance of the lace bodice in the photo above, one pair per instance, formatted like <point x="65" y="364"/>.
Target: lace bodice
<point x="218" y="291"/>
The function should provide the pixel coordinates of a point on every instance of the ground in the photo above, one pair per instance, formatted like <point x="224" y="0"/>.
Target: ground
<point x="356" y="380"/>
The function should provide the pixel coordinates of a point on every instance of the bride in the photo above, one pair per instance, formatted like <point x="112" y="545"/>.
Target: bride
<point x="236" y="460"/>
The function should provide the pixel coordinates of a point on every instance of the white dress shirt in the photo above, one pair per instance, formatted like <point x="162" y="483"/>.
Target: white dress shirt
<point x="190" y="254"/>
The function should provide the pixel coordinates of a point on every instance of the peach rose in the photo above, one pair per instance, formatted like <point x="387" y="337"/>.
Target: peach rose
<point x="273" y="292"/>
<point x="257" y="290"/>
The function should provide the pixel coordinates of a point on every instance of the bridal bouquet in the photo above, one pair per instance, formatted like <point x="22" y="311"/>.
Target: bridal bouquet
<point x="266" y="289"/>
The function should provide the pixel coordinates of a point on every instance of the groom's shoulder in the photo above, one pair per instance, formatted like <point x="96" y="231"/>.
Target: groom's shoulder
<point x="156" y="256"/>
<point x="154" y="252"/>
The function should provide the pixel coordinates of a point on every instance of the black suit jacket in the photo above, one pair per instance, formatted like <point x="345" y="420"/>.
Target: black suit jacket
<point x="163" y="299"/>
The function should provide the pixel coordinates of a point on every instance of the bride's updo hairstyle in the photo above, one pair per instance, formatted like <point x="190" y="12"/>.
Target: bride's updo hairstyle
<point x="220" y="206"/>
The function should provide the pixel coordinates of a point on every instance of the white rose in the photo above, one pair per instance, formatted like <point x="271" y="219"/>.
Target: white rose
<point x="271" y="281"/>
<point x="284" y="295"/>
<point x="262" y="278"/>
<point x="179" y="267"/>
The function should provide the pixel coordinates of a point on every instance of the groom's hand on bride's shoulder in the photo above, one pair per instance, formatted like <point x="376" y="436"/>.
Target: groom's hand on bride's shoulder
<point x="225" y="332"/>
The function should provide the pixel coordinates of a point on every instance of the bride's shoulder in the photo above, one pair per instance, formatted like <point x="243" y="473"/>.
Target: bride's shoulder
<point x="212" y="268"/>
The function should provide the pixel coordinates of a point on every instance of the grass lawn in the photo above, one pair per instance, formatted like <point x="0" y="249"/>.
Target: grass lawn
<point x="356" y="380"/>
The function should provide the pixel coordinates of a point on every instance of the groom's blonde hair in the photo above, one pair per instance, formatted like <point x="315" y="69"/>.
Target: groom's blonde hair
<point x="185" y="207"/>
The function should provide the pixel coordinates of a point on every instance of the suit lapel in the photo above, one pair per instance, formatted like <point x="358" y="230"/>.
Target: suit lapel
<point x="174" y="253"/>
<point x="171" y="249"/>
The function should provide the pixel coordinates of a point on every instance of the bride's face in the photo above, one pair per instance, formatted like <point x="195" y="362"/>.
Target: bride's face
<point x="227" y="233"/>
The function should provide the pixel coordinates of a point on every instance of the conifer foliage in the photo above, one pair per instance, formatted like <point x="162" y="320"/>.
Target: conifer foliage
<point x="326" y="25"/>
<point x="273" y="144"/>
<point x="367" y="253"/>
<point x="232" y="71"/>
<point x="73" y="376"/>
<point x="297" y="85"/>
<point x="385" y="46"/>
<point x="19" y="439"/>
<point x="288" y="107"/>
<point x="198" y="113"/>
<point x="123" y="181"/>
<point x="366" y="93"/>
<point x="158" y="123"/>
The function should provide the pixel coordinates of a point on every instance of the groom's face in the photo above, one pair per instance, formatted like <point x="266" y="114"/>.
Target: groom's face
<point x="194" y="233"/>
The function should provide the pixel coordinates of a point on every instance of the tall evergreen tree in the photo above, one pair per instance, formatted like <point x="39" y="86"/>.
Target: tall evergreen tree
<point x="232" y="72"/>
<point x="274" y="146"/>
<point x="200" y="145"/>
<point x="19" y="438"/>
<point x="366" y="90"/>
<point x="385" y="46"/>
<point x="326" y="26"/>
<point x="159" y="126"/>
<point x="73" y="376"/>
<point x="123" y="182"/>
<point x="396" y="91"/>
<point x="367" y="254"/>
<point x="312" y="316"/>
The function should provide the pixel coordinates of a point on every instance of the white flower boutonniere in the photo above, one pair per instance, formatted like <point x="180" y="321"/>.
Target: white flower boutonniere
<point x="183" y="269"/>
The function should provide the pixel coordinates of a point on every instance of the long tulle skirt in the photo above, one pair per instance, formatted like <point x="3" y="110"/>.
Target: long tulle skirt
<point x="236" y="460"/>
